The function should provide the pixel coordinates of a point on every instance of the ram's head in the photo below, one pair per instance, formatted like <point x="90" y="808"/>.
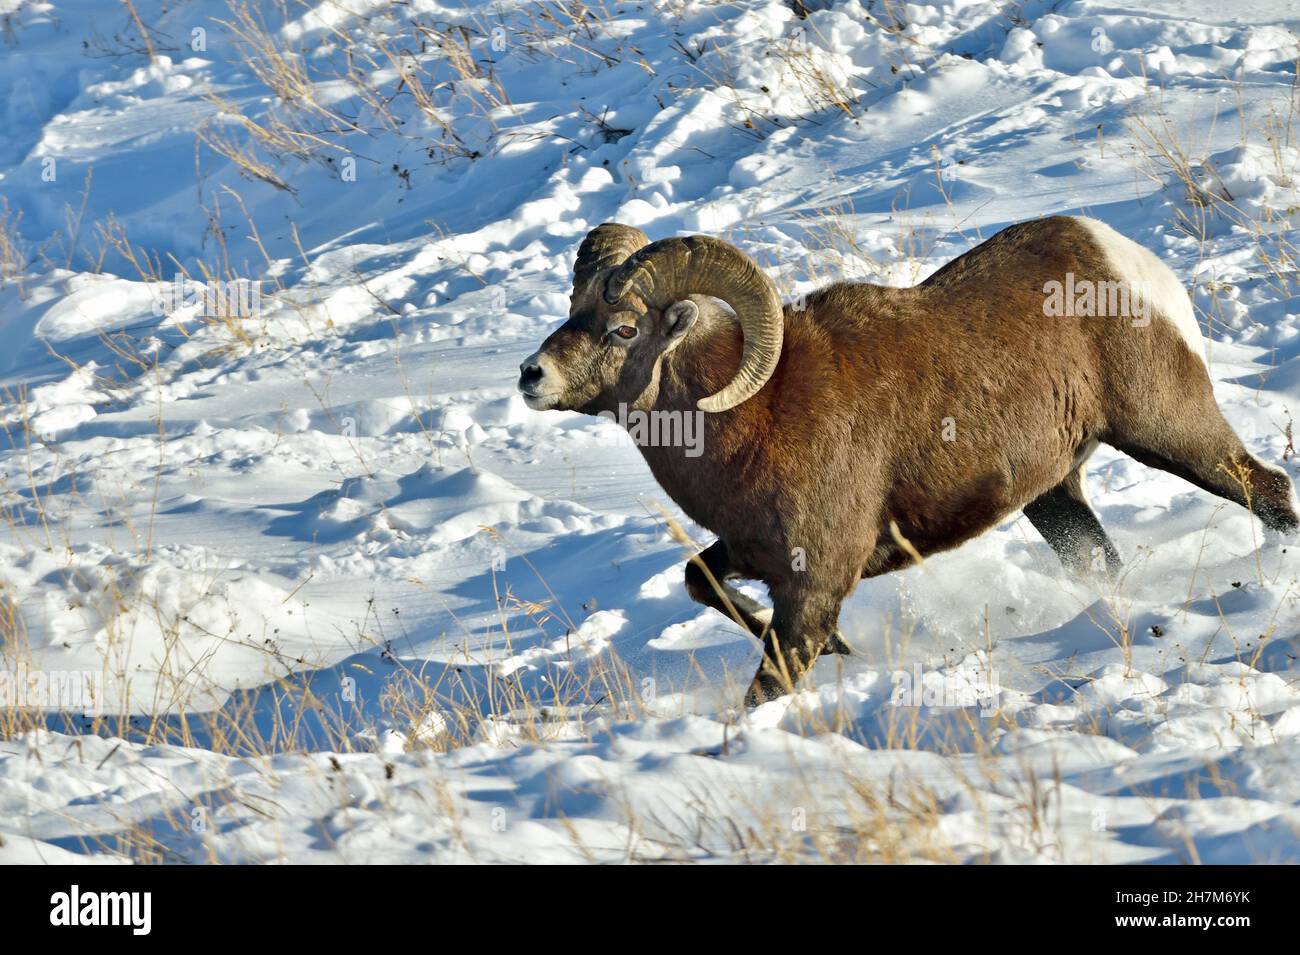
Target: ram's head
<point x="633" y="302"/>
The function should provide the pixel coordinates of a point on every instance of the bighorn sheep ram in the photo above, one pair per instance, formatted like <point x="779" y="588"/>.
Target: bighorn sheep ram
<point x="826" y="422"/>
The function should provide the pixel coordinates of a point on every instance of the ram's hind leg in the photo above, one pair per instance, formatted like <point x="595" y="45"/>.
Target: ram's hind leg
<point x="1070" y="526"/>
<point x="1190" y="438"/>
<point x="756" y="618"/>
<point x="1222" y="466"/>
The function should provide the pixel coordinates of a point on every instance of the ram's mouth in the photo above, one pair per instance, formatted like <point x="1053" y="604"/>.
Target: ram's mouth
<point x="540" y="400"/>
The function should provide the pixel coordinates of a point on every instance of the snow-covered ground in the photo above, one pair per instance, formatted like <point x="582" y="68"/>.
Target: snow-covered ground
<point x="342" y="597"/>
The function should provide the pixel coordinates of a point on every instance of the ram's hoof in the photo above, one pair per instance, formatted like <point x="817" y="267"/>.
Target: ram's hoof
<point x="762" y="690"/>
<point x="836" y="644"/>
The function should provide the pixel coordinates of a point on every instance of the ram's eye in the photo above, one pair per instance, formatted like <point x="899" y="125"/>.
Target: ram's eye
<point x="626" y="331"/>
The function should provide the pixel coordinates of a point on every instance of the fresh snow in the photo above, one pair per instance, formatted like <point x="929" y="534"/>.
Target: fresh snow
<point x="455" y="629"/>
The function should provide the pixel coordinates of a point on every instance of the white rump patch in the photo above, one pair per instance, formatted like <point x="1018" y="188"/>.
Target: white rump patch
<point x="1138" y="265"/>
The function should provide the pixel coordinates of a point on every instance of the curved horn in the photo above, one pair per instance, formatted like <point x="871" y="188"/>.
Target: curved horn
<point x="605" y="246"/>
<point x="670" y="269"/>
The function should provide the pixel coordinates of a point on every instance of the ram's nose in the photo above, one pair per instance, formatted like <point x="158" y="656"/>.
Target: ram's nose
<point x="538" y="382"/>
<point x="530" y="374"/>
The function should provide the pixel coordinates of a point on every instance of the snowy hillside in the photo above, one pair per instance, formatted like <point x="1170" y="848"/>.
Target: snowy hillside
<point x="340" y="596"/>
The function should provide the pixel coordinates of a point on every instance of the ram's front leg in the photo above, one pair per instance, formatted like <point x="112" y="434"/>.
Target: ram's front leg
<point x="716" y="593"/>
<point x="729" y="601"/>
<point x="803" y="622"/>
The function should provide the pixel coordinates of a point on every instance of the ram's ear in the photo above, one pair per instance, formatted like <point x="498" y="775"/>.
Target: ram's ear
<point x="678" y="319"/>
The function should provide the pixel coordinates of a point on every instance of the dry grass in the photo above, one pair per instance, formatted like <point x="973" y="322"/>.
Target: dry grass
<point x="410" y="78"/>
<point x="1180" y="158"/>
<point x="14" y="253"/>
